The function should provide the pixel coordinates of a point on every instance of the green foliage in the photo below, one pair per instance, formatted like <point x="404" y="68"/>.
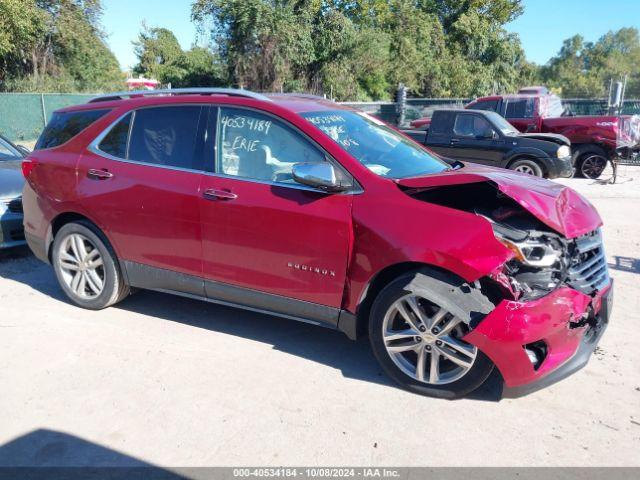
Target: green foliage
<point x="21" y="24"/>
<point x="584" y="69"/>
<point x="161" y="57"/>
<point x="362" y="49"/>
<point x="55" y="45"/>
<point x="350" y="50"/>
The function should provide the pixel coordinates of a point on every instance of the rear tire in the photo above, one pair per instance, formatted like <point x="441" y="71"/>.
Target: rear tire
<point x="589" y="162"/>
<point x="86" y="266"/>
<point x="530" y="167"/>
<point x="415" y="330"/>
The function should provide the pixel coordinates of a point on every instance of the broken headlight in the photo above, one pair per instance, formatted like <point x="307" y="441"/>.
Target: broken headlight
<point x="539" y="263"/>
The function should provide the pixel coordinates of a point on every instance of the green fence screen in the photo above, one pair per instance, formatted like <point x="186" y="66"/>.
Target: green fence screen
<point x="23" y="115"/>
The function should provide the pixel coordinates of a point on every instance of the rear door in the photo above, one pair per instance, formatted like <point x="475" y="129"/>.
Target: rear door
<point x="269" y="242"/>
<point x="520" y="112"/>
<point x="140" y="181"/>
<point x="440" y="134"/>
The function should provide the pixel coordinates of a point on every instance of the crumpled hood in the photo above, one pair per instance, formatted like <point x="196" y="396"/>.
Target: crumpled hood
<point x="555" y="205"/>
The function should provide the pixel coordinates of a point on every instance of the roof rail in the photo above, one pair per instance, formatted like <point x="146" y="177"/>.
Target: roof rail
<point x="303" y="95"/>
<point x="180" y="91"/>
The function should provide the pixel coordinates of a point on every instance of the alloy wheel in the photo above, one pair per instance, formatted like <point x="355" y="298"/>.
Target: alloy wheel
<point x="82" y="266"/>
<point x="425" y="341"/>
<point x="525" y="169"/>
<point x="593" y="166"/>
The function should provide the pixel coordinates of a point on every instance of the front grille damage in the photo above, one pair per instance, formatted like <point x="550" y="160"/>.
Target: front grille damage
<point x="588" y="271"/>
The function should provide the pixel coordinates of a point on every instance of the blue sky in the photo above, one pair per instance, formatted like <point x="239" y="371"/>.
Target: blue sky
<point x="542" y="27"/>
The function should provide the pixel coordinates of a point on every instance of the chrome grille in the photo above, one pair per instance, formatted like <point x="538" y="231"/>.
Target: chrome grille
<point x="588" y="271"/>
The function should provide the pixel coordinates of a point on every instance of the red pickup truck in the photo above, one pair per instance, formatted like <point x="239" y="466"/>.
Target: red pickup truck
<point x="594" y="139"/>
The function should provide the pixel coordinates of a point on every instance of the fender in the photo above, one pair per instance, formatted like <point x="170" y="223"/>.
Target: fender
<point x="385" y="232"/>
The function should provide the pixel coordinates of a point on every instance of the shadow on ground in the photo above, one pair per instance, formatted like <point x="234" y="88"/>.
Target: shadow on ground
<point x="51" y="454"/>
<point x="329" y="347"/>
<point x="625" y="264"/>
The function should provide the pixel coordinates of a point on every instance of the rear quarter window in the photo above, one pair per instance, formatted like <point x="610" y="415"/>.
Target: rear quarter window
<point x="519" y="107"/>
<point x="63" y="126"/>
<point x="441" y="123"/>
<point x="490" y="105"/>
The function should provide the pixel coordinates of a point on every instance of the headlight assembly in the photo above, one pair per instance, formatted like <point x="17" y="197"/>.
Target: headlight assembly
<point x="534" y="253"/>
<point x="563" y="151"/>
<point x="539" y="263"/>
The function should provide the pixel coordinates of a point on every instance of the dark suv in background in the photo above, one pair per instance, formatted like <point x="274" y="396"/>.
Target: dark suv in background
<point x="299" y="207"/>
<point x="485" y="137"/>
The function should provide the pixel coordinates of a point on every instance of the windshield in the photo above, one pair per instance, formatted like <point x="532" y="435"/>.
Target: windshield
<point x="374" y="144"/>
<point x="501" y="124"/>
<point x="7" y="152"/>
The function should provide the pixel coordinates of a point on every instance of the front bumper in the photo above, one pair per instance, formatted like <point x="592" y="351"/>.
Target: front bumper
<point x="11" y="229"/>
<point x="569" y="323"/>
<point x="561" y="167"/>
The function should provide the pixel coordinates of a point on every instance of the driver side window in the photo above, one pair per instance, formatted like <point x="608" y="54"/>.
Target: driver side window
<point x="256" y="146"/>
<point x="472" y="126"/>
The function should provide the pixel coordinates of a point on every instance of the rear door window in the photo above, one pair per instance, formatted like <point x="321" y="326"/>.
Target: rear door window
<point x="63" y="126"/>
<point x="519" y="107"/>
<point x="164" y="136"/>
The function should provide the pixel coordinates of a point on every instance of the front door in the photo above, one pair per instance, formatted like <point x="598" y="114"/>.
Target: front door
<point x="269" y="242"/>
<point x="140" y="182"/>
<point x="472" y="140"/>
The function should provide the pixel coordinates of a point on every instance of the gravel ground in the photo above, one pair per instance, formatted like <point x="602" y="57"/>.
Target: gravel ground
<point x="169" y="381"/>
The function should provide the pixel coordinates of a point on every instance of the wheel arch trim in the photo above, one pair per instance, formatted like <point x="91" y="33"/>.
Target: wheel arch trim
<point x="70" y="216"/>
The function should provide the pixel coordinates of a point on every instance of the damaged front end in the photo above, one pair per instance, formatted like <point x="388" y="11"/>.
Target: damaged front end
<point x="544" y="260"/>
<point x="554" y="292"/>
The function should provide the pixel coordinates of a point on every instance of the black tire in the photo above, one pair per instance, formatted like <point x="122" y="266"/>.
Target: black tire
<point x="114" y="288"/>
<point x="459" y="298"/>
<point x="531" y="166"/>
<point x="588" y="152"/>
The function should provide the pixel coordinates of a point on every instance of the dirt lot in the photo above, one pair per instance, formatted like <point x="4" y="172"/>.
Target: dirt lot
<point x="170" y="381"/>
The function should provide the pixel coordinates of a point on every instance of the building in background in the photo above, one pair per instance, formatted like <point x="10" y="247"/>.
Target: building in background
<point x="142" y="83"/>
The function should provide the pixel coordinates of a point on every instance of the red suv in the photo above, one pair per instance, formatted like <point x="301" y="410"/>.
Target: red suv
<point x="296" y="206"/>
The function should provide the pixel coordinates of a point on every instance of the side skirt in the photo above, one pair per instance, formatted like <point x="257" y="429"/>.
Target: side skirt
<point x="191" y="286"/>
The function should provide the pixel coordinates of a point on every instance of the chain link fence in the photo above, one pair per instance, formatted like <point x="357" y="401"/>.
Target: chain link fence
<point x="23" y="115"/>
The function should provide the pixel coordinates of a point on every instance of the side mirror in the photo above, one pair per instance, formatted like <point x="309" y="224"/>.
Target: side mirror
<point x="488" y="134"/>
<point x="319" y="175"/>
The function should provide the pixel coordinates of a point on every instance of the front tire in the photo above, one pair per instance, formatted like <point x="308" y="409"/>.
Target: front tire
<point x="86" y="267"/>
<point x="530" y="167"/>
<point x="416" y="328"/>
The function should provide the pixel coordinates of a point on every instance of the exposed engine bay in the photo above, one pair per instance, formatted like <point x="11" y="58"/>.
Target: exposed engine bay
<point x="543" y="259"/>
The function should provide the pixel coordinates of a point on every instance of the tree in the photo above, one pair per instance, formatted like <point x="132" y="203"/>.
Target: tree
<point x="55" y="45"/>
<point x="362" y="49"/>
<point x="160" y="56"/>
<point x="584" y="69"/>
<point x="21" y="25"/>
<point x="158" y="51"/>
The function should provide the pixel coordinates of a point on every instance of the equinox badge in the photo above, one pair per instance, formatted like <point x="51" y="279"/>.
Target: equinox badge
<point x="307" y="268"/>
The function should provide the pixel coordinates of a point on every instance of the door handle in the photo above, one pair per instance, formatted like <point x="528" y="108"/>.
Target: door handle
<point x="454" y="141"/>
<point x="216" y="194"/>
<point x="95" y="174"/>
